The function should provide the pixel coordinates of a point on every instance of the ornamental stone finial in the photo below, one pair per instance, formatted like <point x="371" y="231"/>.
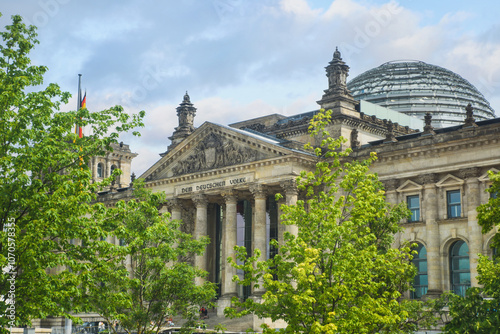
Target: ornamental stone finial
<point x="428" y="128"/>
<point x="469" y="119"/>
<point x="390" y="136"/>
<point x="336" y="54"/>
<point x="337" y="72"/>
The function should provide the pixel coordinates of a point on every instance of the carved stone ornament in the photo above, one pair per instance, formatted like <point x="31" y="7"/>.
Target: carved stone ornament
<point x="354" y="139"/>
<point x="230" y="196"/>
<point x="289" y="186"/>
<point x="428" y="128"/>
<point x="391" y="184"/>
<point x="174" y="204"/>
<point x="214" y="152"/>
<point x="427" y="178"/>
<point x="469" y="119"/>
<point x="390" y="137"/>
<point x="256" y="127"/>
<point x="200" y="200"/>
<point x="258" y="190"/>
<point x="467" y="173"/>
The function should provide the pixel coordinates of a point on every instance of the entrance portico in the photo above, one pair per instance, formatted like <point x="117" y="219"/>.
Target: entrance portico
<point x="241" y="214"/>
<point x="221" y="182"/>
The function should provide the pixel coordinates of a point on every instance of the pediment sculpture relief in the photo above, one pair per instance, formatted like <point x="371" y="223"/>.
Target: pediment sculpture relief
<point x="214" y="152"/>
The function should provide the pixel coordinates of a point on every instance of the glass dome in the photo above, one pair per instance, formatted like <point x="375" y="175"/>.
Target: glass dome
<point x="415" y="88"/>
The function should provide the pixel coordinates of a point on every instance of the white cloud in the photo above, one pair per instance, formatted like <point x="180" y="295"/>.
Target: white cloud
<point x="242" y="59"/>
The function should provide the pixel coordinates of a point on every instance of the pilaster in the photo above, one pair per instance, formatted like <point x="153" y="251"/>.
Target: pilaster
<point x="475" y="236"/>
<point x="434" y="273"/>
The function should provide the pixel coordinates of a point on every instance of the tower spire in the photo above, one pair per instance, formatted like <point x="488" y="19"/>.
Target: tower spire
<point x="185" y="113"/>
<point x="337" y="97"/>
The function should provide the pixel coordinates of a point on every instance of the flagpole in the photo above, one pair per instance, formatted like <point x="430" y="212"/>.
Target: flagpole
<point x="79" y="102"/>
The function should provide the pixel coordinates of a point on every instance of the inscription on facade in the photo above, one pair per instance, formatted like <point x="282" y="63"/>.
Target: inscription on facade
<point x="214" y="185"/>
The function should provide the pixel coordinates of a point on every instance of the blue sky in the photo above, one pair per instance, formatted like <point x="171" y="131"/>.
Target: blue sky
<point x="241" y="59"/>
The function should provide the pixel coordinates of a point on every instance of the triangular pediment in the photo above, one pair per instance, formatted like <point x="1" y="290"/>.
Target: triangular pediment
<point x="212" y="147"/>
<point x="450" y="181"/>
<point x="485" y="177"/>
<point x="409" y="185"/>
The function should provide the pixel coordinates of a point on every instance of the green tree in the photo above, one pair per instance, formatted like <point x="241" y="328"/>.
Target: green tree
<point x="46" y="188"/>
<point x="339" y="274"/>
<point x="151" y="277"/>
<point x="479" y="310"/>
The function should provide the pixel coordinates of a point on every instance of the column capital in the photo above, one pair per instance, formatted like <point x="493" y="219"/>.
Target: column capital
<point x="174" y="203"/>
<point x="290" y="187"/>
<point x="199" y="200"/>
<point x="230" y="196"/>
<point x="259" y="191"/>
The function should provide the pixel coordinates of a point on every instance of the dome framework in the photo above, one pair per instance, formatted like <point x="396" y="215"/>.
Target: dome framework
<point x="415" y="88"/>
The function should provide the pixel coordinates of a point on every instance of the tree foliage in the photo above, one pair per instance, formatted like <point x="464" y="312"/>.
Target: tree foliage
<point x="339" y="274"/>
<point x="50" y="228"/>
<point x="150" y="277"/>
<point x="479" y="310"/>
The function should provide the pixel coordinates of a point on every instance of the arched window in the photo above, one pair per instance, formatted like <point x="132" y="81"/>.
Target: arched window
<point x="420" y="281"/>
<point x="459" y="267"/>
<point x="100" y="170"/>
<point x="113" y="167"/>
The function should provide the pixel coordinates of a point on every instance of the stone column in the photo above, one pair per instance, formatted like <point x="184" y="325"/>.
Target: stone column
<point x="259" y="237"/>
<point x="475" y="236"/>
<point x="229" y="239"/>
<point x="200" y="230"/>
<point x="430" y="200"/>
<point x="291" y="193"/>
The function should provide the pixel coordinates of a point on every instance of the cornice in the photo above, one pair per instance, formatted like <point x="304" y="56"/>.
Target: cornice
<point x="423" y="147"/>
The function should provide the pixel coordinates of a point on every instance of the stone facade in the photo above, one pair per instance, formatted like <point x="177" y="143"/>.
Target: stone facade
<point x="221" y="180"/>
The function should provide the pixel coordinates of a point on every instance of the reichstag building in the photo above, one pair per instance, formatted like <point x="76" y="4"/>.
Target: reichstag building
<point x="435" y="136"/>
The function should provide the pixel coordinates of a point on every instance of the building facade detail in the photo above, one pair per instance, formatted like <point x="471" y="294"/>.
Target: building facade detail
<point x="214" y="152"/>
<point x="185" y="113"/>
<point x="221" y="181"/>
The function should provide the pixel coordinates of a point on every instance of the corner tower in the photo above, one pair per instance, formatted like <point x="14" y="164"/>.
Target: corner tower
<point x="185" y="113"/>
<point x="337" y="97"/>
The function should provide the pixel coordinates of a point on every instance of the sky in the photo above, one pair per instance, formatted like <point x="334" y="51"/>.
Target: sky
<point x="241" y="59"/>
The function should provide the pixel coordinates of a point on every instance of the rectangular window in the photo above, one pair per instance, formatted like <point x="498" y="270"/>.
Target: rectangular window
<point x="413" y="203"/>
<point x="453" y="203"/>
<point x="493" y="194"/>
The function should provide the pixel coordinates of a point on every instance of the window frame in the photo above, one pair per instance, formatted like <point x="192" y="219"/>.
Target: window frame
<point x="414" y="294"/>
<point x="450" y="206"/>
<point x="458" y="286"/>
<point x="418" y="208"/>
<point x="100" y="169"/>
